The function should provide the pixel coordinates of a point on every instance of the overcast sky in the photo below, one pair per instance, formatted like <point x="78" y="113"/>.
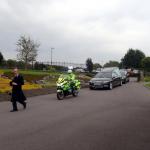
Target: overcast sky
<point x="101" y="29"/>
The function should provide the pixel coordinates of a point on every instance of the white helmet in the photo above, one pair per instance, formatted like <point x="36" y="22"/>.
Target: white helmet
<point x="70" y="67"/>
<point x="69" y="71"/>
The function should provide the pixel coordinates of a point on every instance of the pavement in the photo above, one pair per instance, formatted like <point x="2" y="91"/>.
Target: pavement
<point x="96" y="120"/>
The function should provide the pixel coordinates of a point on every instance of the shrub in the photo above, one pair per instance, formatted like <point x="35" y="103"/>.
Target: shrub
<point x="146" y="63"/>
<point x="1" y="72"/>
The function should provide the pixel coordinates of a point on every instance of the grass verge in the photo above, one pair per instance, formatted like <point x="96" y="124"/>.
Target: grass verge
<point x="147" y="79"/>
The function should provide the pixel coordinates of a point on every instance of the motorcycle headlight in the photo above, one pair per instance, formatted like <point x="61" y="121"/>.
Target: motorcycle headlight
<point x="59" y="84"/>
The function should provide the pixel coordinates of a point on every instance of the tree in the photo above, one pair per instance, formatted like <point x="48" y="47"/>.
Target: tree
<point x="27" y="50"/>
<point x="39" y="66"/>
<point x="139" y="57"/>
<point x="11" y="63"/>
<point x="1" y="58"/>
<point x="112" y="64"/>
<point x="96" y="66"/>
<point x="20" y="64"/>
<point x="146" y="63"/>
<point x="89" y="65"/>
<point x="133" y="58"/>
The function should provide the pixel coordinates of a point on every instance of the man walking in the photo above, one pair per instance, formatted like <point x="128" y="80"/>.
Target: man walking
<point x="17" y="93"/>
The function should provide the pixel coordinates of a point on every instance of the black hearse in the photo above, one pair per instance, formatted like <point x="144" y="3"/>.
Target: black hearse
<point x="106" y="78"/>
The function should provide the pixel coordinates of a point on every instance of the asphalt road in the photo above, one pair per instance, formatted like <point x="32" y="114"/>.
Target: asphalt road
<point x="96" y="120"/>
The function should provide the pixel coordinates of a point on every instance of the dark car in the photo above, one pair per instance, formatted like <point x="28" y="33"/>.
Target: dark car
<point x="125" y="76"/>
<point x="107" y="78"/>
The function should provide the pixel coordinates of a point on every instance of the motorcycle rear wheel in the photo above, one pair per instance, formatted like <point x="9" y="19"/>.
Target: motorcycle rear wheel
<point x="75" y="93"/>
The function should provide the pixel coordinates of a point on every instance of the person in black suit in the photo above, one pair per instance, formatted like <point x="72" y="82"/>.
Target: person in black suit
<point x="17" y="93"/>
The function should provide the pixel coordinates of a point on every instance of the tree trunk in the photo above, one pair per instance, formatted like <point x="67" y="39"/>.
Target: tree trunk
<point x="26" y="65"/>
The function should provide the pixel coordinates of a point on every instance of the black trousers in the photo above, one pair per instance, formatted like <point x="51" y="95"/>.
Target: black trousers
<point x="14" y="103"/>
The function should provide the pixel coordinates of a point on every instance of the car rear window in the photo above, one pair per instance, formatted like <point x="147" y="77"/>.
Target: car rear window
<point x="104" y="75"/>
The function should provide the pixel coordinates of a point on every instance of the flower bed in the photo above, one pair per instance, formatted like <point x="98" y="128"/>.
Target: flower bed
<point x="5" y="87"/>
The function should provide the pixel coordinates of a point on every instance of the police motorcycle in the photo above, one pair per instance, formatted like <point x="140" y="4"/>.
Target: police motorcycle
<point x="67" y="85"/>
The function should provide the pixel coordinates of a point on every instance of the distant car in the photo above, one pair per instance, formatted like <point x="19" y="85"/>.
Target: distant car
<point x="98" y="70"/>
<point x="80" y="70"/>
<point x="107" y="78"/>
<point x="136" y="73"/>
<point x="133" y="72"/>
<point x="125" y="76"/>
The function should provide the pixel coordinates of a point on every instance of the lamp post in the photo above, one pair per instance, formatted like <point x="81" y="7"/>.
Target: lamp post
<point x="52" y="56"/>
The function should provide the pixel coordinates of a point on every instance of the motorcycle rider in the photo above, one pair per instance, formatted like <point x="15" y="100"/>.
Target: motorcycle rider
<point x="71" y="77"/>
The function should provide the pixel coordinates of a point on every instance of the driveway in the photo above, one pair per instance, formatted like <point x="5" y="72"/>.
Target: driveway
<point x="96" y="120"/>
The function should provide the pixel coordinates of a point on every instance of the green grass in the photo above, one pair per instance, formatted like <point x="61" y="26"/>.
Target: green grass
<point x="30" y="72"/>
<point x="147" y="79"/>
<point x="147" y="85"/>
<point x="32" y="75"/>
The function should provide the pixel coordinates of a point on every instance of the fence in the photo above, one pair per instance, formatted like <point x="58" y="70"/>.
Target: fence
<point x="64" y="64"/>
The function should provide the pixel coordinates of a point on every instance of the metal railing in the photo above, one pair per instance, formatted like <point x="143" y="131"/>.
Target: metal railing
<point x="64" y="64"/>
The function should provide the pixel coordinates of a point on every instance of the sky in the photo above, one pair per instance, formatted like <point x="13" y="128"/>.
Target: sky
<point x="101" y="29"/>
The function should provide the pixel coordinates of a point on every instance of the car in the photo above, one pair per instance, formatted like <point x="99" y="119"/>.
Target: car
<point x="133" y="72"/>
<point x="107" y="78"/>
<point x="136" y="73"/>
<point x="125" y="76"/>
<point x="98" y="70"/>
<point x="79" y="70"/>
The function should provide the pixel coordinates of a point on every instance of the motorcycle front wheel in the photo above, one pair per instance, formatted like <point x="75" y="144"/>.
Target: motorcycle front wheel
<point x="60" y="96"/>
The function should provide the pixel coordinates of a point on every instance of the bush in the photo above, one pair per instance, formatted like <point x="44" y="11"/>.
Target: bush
<point x="84" y="78"/>
<point x="51" y="69"/>
<point x="90" y="74"/>
<point x="146" y="63"/>
<point x="1" y="72"/>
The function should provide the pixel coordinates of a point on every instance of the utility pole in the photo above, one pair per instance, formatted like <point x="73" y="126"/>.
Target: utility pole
<point x="52" y="56"/>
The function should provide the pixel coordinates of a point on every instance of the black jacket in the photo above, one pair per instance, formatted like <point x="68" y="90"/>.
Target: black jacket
<point x="17" y="93"/>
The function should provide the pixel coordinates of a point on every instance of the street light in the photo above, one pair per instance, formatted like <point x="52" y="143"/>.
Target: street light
<point x="52" y="56"/>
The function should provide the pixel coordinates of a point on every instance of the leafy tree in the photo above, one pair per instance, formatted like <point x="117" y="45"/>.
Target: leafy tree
<point x="4" y="63"/>
<point x="128" y="60"/>
<point x="20" y="64"/>
<point x="1" y="58"/>
<point x="96" y="65"/>
<point x="89" y="65"/>
<point x="112" y="64"/>
<point x="11" y="63"/>
<point x="138" y="59"/>
<point x="60" y="68"/>
<point x="39" y="66"/>
<point x="146" y="63"/>
<point x="133" y="58"/>
<point x="27" y="50"/>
